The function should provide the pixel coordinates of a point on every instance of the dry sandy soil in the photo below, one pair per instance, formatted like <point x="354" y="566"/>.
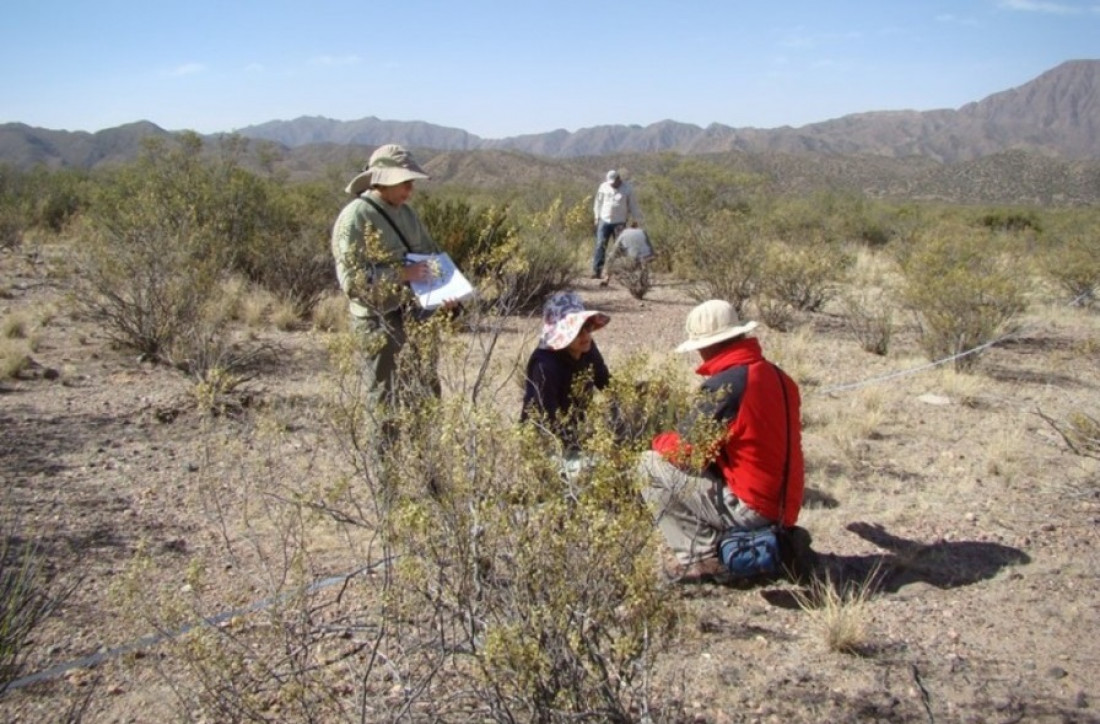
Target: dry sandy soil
<point x="975" y="521"/>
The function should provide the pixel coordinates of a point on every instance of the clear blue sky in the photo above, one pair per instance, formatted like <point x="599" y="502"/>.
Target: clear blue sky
<point x="501" y="68"/>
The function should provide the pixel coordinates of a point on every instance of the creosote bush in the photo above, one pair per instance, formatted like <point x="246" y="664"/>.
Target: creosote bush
<point x="723" y="258"/>
<point x="1072" y="259"/>
<point x="869" y="317"/>
<point x="965" y="290"/>
<point x="805" y="275"/>
<point x="485" y="585"/>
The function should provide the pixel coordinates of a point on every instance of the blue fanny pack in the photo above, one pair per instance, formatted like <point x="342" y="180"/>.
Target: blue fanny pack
<point x="750" y="553"/>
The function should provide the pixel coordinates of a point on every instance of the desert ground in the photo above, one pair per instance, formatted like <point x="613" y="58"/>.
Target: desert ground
<point x="951" y="502"/>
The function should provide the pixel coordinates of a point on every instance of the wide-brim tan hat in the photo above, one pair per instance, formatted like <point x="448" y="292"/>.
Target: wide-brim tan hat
<point x="390" y="165"/>
<point x="712" y="322"/>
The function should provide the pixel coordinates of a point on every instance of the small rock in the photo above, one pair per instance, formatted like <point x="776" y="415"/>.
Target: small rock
<point x="930" y="399"/>
<point x="1081" y="701"/>
<point x="1057" y="672"/>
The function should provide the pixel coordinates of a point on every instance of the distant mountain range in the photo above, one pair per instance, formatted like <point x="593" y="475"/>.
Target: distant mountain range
<point x="1035" y="144"/>
<point x="1057" y="115"/>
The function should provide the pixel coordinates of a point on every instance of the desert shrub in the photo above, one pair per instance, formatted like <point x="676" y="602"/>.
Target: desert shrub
<point x="804" y="276"/>
<point x="11" y="228"/>
<point x="514" y="263"/>
<point x="963" y="289"/>
<point x="15" y="326"/>
<point x="56" y="197"/>
<point x="488" y="587"/>
<point x="286" y="248"/>
<point x="12" y="222"/>
<point x="869" y="318"/>
<point x="724" y="259"/>
<point x="146" y="282"/>
<point x="1011" y="220"/>
<point x="1072" y="259"/>
<point x="776" y="314"/>
<point x="469" y="235"/>
<point x="541" y="259"/>
<point x="683" y="195"/>
<point x="167" y="231"/>
<point x="1079" y="430"/>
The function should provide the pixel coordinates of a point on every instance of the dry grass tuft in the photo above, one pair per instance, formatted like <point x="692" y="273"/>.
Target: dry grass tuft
<point x="965" y="389"/>
<point x="841" y="612"/>
<point x="15" y="326"/>
<point x="331" y="313"/>
<point x="284" y="315"/>
<point x="14" y="357"/>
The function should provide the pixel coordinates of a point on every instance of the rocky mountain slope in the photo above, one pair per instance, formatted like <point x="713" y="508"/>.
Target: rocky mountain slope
<point x="1057" y="114"/>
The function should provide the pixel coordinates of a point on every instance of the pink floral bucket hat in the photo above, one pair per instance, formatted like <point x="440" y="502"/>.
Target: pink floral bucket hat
<point x="563" y="315"/>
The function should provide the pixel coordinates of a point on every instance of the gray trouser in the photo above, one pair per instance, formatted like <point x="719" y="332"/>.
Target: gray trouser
<point x="692" y="510"/>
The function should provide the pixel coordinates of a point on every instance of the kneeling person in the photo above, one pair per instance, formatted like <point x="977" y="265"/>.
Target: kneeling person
<point x="565" y="369"/>
<point x="755" y="476"/>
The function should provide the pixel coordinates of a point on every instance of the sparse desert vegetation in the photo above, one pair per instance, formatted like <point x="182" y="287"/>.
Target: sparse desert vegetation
<point x="201" y="524"/>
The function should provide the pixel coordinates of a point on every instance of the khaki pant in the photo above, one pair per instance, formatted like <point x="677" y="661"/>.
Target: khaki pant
<point x="693" y="511"/>
<point x="385" y="338"/>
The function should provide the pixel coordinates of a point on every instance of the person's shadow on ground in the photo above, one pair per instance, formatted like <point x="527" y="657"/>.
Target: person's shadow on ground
<point x="943" y="564"/>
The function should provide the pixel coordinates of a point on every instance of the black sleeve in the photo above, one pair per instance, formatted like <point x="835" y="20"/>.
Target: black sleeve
<point x="601" y="376"/>
<point x="543" y="389"/>
<point x="719" y="399"/>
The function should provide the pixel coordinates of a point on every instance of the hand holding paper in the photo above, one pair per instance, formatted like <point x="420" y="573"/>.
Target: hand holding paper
<point x="446" y="282"/>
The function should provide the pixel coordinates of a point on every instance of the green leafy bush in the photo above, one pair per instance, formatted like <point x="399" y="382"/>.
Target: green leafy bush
<point x="723" y="259"/>
<point x="964" y="289"/>
<point x="805" y="275"/>
<point x="1071" y="258"/>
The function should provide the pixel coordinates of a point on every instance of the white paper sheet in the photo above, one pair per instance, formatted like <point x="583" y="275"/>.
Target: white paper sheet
<point x="447" y="283"/>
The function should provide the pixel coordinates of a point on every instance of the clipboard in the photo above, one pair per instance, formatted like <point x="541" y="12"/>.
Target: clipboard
<point x="446" y="283"/>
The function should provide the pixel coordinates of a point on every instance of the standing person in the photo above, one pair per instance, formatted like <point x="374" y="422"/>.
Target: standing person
<point x="565" y="369"/>
<point x="614" y="206"/>
<point x="370" y="238"/>
<point x="754" y="476"/>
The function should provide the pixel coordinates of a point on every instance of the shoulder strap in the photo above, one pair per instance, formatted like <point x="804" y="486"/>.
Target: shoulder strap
<point x="787" y="447"/>
<point x="386" y="216"/>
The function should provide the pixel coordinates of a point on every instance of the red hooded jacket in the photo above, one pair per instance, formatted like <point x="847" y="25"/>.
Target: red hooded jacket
<point x="764" y="439"/>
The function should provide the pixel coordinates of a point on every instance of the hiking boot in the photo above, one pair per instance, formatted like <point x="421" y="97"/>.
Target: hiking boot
<point x="708" y="570"/>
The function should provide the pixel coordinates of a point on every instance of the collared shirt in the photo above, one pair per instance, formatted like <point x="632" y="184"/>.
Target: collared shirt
<point x="616" y="205"/>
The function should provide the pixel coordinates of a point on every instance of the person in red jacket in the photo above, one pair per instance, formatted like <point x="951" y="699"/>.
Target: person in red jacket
<point x="752" y="476"/>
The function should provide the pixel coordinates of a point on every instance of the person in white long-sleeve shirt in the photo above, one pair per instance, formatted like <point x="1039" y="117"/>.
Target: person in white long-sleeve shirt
<point x="614" y="207"/>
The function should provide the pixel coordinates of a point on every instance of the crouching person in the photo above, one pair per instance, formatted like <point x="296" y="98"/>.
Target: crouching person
<point x="753" y="476"/>
<point x="563" y="373"/>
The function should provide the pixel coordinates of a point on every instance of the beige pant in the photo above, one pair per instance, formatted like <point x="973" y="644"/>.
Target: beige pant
<point x="693" y="511"/>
